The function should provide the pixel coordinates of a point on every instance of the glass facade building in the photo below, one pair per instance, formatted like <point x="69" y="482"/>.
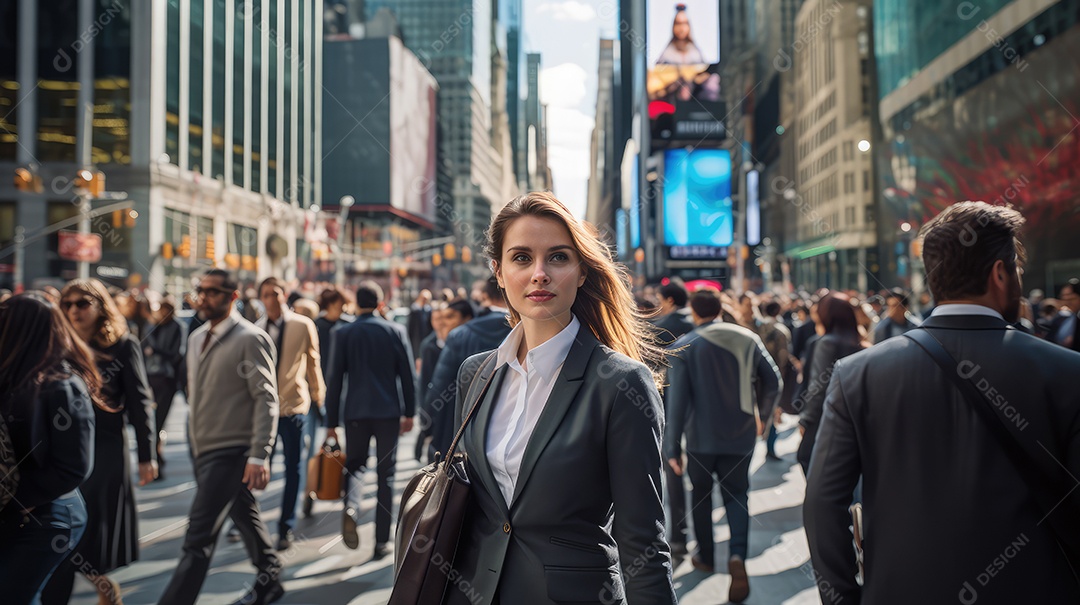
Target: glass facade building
<point x="202" y="112"/>
<point x="988" y="117"/>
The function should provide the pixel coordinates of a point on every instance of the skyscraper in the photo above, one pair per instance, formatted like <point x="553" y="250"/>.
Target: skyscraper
<point x="453" y="39"/>
<point x="200" y="111"/>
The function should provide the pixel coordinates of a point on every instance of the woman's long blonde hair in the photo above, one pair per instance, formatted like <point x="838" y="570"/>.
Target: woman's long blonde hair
<point x="605" y="302"/>
<point x="112" y="326"/>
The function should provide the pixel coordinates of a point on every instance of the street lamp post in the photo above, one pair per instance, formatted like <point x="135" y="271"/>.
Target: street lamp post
<point x="343" y="215"/>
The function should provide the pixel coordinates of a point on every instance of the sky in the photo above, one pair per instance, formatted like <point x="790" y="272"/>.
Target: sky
<point x="567" y="35"/>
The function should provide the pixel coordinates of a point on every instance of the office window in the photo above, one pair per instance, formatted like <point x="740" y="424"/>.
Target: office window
<point x="172" y="82"/>
<point x="866" y="180"/>
<point x="195" y="60"/>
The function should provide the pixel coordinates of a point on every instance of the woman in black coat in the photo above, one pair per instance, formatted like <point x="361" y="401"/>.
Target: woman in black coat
<point x="841" y="338"/>
<point x="48" y="385"/>
<point x="564" y="448"/>
<point x="112" y="537"/>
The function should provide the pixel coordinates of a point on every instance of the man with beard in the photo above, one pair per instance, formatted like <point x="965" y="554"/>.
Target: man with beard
<point x="956" y="500"/>
<point x="232" y="422"/>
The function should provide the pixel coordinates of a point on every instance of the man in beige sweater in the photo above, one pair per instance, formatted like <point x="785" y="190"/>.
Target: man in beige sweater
<point x="233" y="399"/>
<point x="300" y="385"/>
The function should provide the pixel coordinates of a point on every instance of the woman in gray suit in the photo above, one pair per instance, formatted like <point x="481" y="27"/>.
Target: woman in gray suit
<point x="564" y="449"/>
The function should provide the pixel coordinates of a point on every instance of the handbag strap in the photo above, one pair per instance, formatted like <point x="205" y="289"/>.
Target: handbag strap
<point x="475" y="405"/>
<point x="1042" y="481"/>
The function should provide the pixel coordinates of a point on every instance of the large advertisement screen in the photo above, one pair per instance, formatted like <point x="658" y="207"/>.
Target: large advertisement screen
<point x="697" y="198"/>
<point x="683" y="52"/>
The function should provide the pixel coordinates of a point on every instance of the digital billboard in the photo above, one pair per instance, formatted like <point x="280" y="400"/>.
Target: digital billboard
<point x="683" y="52"/>
<point x="697" y="198"/>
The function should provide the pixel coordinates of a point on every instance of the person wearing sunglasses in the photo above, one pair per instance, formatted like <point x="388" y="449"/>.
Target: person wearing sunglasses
<point x="232" y="423"/>
<point x="48" y="385"/>
<point x="111" y="540"/>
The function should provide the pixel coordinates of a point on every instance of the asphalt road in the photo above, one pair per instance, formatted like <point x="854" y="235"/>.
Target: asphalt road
<point x="320" y="569"/>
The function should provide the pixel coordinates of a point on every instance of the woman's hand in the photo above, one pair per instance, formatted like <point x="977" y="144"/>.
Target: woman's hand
<point x="148" y="471"/>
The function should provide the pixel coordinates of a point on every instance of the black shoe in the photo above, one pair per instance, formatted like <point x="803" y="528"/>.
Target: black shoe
<point x="381" y="550"/>
<point x="348" y="530"/>
<point x="309" y="502"/>
<point x="233" y="535"/>
<point x="285" y="540"/>
<point x="261" y="594"/>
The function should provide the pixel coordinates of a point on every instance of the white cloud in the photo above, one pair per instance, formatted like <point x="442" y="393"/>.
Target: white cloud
<point x="563" y="85"/>
<point x="569" y="10"/>
<point x="569" y="135"/>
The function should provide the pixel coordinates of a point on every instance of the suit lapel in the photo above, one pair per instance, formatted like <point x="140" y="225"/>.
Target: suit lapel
<point x="478" y="429"/>
<point x="562" y="396"/>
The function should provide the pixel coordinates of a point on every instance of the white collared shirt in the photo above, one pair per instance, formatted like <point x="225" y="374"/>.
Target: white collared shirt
<point x="964" y="309"/>
<point x="521" y="400"/>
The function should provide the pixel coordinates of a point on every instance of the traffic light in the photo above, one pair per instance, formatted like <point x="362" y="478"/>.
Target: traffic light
<point x="93" y="183"/>
<point x="27" y="181"/>
<point x="466" y="255"/>
<point x="210" y="247"/>
<point x="449" y="251"/>
<point x="436" y="259"/>
<point x="167" y="250"/>
<point x="185" y="246"/>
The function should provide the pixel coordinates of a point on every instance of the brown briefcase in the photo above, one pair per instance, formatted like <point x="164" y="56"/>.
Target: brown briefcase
<point x="326" y="479"/>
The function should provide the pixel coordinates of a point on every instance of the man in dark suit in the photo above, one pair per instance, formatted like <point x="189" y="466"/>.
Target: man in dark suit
<point x="479" y="335"/>
<point x="376" y="356"/>
<point x="948" y="515"/>
<point x="420" y="320"/>
<point x="1065" y="329"/>
<point x="674" y="321"/>
<point x="896" y="319"/>
<point x="723" y="386"/>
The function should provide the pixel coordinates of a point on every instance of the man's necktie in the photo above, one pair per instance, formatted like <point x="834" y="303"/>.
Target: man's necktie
<point x="206" y="343"/>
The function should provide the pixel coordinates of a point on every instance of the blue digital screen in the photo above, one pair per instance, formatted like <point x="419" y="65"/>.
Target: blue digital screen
<point x="635" y="207"/>
<point x="753" y="209"/>
<point x="697" y="198"/>
<point x="620" y="233"/>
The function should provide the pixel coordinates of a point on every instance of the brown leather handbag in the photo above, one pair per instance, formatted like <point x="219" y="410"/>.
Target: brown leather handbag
<point x="326" y="479"/>
<point x="430" y="519"/>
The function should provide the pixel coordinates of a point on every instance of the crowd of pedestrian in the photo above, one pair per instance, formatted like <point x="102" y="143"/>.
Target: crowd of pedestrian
<point x="602" y="414"/>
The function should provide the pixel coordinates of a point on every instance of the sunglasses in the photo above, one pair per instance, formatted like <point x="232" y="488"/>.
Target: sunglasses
<point x="201" y="291"/>
<point x="82" y="303"/>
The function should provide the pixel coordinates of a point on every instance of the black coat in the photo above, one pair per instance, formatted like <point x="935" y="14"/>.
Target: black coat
<point x="673" y="325"/>
<point x="376" y="356"/>
<point x="943" y="505"/>
<point x="588" y="497"/>
<point x="476" y="336"/>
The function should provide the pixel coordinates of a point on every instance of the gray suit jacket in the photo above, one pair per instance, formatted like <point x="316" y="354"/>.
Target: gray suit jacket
<point x="947" y="515"/>
<point x="586" y="524"/>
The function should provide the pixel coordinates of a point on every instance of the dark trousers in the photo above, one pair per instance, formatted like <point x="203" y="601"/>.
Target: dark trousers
<point x="358" y="434"/>
<point x="676" y="493"/>
<point x="292" y="431"/>
<point x="220" y="493"/>
<point x="33" y="545"/>
<point x="770" y="439"/>
<point x="806" y="448"/>
<point x="733" y="471"/>
<point x="164" y="388"/>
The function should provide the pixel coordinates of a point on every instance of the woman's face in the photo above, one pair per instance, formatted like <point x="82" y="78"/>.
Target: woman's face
<point x="680" y="30"/>
<point x="82" y="310"/>
<point x="540" y="269"/>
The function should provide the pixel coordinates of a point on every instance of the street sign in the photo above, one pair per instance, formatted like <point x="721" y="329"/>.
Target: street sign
<point x="80" y="247"/>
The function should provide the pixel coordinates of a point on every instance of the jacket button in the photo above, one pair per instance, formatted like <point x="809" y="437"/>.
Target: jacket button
<point x="506" y="528"/>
